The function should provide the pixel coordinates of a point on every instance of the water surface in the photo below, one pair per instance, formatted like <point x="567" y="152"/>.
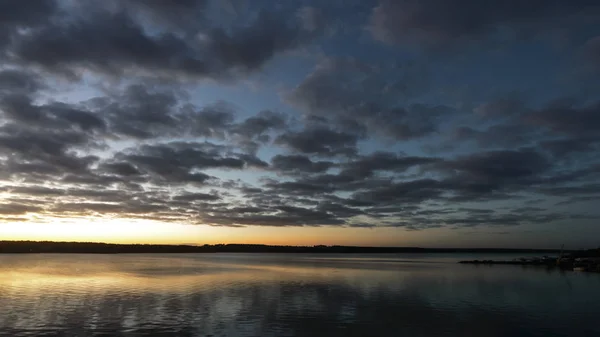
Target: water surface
<point x="290" y="295"/>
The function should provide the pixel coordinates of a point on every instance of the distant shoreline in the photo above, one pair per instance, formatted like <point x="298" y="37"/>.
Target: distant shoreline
<point x="39" y="247"/>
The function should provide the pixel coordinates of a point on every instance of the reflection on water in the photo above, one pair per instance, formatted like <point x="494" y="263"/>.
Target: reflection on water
<point x="288" y="295"/>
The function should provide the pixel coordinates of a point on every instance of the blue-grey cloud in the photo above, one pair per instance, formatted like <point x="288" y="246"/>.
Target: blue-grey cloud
<point x="278" y="115"/>
<point x="439" y="22"/>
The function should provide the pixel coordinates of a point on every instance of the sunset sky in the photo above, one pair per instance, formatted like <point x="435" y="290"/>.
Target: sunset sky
<point x="429" y="123"/>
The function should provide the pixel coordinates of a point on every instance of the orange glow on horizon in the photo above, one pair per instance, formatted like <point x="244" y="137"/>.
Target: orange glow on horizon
<point x="99" y="230"/>
<point x="153" y="232"/>
<point x="139" y="231"/>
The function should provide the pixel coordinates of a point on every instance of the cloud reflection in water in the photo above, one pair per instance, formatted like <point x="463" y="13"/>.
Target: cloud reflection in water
<point x="271" y="295"/>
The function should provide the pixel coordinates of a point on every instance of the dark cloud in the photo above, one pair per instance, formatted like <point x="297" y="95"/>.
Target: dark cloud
<point x="345" y="181"/>
<point x="34" y="190"/>
<point x="338" y="84"/>
<point x="253" y="161"/>
<point x="153" y="139"/>
<point x="561" y="148"/>
<point x="247" y="209"/>
<point x="140" y="112"/>
<point x="197" y="197"/>
<point x="180" y="162"/>
<point x="176" y="14"/>
<point x="55" y="116"/>
<point x="259" y="125"/>
<point x="454" y="220"/>
<point x="279" y="216"/>
<point x="591" y="52"/>
<point x="44" y="139"/>
<point x="513" y="118"/>
<point x="81" y="119"/>
<point x="565" y="117"/>
<point x="384" y="161"/>
<point x="115" y="42"/>
<point x="310" y="200"/>
<point x="571" y="190"/>
<point x="52" y="148"/>
<point x="566" y="129"/>
<point x="490" y="175"/>
<point x="498" y="136"/>
<point x="25" y="13"/>
<point x="299" y="164"/>
<point x="477" y="177"/>
<point x="440" y="22"/>
<point x="512" y="219"/>
<point x="339" y="210"/>
<point x="121" y="169"/>
<point x="102" y="195"/>
<point x="145" y="112"/>
<point x="298" y="188"/>
<point x="17" y="209"/>
<point x="356" y="174"/>
<point x="19" y="81"/>
<point x="256" y="130"/>
<point x="15" y="16"/>
<point x="359" y="174"/>
<point x="210" y="121"/>
<point x="475" y="210"/>
<point x="409" y="192"/>
<point x="98" y="179"/>
<point x="249" y="48"/>
<point x="82" y="208"/>
<point x="312" y="18"/>
<point x="383" y="184"/>
<point x="20" y="108"/>
<point x="319" y="141"/>
<point x="497" y="166"/>
<point x="501" y="108"/>
<point x="360" y="96"/>
<point x="106" y="43"/>
<point x="578" y="200"/>
<point x="416" y="121"/>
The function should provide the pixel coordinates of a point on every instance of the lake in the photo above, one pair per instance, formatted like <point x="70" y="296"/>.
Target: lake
<point x="290" y="295"/>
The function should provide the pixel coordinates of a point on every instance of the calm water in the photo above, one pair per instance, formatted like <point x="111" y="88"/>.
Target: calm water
<point x="289" y="295"/>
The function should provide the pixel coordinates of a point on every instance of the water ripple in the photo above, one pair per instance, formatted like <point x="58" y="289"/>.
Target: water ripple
<point x="287" y="295"/>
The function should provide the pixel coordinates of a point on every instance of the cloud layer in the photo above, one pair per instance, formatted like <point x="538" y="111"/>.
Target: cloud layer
<point x="103" y="114"/>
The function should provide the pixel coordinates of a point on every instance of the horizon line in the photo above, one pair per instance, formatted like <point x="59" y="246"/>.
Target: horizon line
<point x="290" y="246"/>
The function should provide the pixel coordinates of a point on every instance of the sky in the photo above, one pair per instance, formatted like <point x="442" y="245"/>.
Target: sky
<point x="429" y="123"/>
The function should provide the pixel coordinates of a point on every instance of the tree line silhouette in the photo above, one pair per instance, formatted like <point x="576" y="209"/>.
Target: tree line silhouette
<point x="109" y="248"/>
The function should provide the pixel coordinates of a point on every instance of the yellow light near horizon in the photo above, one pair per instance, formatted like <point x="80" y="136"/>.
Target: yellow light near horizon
<point x="116" y="230"/>
<point x="103" y="230"/>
